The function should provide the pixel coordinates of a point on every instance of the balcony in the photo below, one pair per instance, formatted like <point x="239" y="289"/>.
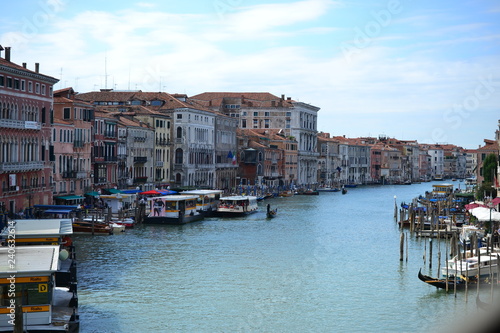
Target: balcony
<point x="140" y="159"/>
<point x="162" y="142"/>
<point x="20" y="166"/>
<point x="69" y="174"/>
<point x="140" y="180"/>
<point x="110" y="134"/>
<point x="81" y="174"/>
<point x="178" y="166"/>
<point x="78" y="144"/>
<point x="159" y="164"/>
<point x="110" y="158"/>
<point x="139" y="139"/>
<point x="20" y="124"/>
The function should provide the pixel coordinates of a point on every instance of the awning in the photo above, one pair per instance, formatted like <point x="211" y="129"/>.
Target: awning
<point x="113" y="190"/>
<point x="58" y="211"/>
<point x="130" y="191"/>
<point x="93" y="194"/>
<point x="70" y="197"/>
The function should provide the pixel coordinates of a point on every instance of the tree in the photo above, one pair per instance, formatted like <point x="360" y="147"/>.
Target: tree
<point x="489" y="172"/>
<point x="489" y="168"/>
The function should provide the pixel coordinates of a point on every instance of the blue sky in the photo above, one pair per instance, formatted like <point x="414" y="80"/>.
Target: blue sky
<point x="423" y="70"/>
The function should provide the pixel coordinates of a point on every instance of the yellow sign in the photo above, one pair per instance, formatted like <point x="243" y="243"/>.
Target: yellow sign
<point x="39" y="308"/>
<point x="43" y="288"/>
<point x="32" y="279"/>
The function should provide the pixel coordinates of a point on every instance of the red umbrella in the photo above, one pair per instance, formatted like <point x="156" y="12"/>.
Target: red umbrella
<point x="474" y="205"/>
<point x="151" y="192"/>
<point x="495" y="201"/>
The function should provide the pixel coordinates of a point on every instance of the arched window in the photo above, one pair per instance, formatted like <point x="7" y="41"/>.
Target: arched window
<point x="179" y="132"/>
<point x="178" y="156"/>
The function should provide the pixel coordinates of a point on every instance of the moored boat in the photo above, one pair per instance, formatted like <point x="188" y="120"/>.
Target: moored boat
<point x="458" y="283"/>
<point x="328" y="189"/>
<point x="207" y="200"/>
<point x="173" y="209"/>
<point x="237" y="205"/>
<point x="93" y="227"/>
<point x="127" y="222"/>
<point x="286" y="194"/>
<point x="473" y="265"/>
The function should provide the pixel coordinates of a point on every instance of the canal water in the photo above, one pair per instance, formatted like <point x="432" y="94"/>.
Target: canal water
<point x="326" y="263"/>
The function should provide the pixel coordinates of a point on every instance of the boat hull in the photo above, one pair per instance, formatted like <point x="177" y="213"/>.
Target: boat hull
<point x="458" y="284"/>
<point x="173" y="220"/>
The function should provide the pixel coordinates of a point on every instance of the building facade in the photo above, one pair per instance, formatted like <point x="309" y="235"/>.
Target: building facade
<point x="26" y="148"/>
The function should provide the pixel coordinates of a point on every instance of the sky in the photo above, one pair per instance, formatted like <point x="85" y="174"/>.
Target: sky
<point x="412" y="70"/>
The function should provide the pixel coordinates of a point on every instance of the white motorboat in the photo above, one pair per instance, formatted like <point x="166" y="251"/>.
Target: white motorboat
<point x="472" y="265"/>
<point x="238" y="205"/>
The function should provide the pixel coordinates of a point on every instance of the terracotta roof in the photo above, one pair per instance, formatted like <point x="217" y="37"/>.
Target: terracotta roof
<point x="12" y="65"/>
<point x="171" y="102"/>
<point x="62" y="100"/>
<point x="245" y="99"/>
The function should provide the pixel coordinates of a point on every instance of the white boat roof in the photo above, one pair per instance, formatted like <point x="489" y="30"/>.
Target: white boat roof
<point x="40" y="227"/>
<point x="239" y="197"/>
<point x="202" y="192"/>
<point x="42" y="259"/>
<point x="175" y="197"/>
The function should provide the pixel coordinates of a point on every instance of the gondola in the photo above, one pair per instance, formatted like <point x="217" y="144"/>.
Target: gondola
<point x="344" y="191"/>
<point x="271" y="212"/>
<point x="440" y="283"/>
<point x="459" y="284"/>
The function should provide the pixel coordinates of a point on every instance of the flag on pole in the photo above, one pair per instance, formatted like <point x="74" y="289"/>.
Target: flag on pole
<point x="230" y="154"/>
<point x="234" y="160"/>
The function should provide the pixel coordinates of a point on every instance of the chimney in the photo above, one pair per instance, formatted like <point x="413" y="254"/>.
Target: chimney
<point x="37" y="67"/>
<point x="288" y="98"/>
<point x="282" y="97"/>
<point x="7" y="53"/>
<point x="24" y="65"/>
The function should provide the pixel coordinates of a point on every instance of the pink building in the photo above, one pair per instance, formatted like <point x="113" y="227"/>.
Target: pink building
<point x="26" y="150"/>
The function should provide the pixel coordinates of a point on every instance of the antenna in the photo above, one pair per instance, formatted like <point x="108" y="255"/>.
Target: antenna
<point x="129" y="77"/>
<point x="105" y="70"/>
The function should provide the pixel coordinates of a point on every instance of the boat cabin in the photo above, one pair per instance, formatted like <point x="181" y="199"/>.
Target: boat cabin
<point x="29" y="283"/>
<point x="207" y="199"/>
<point x="173" y="209"/>
<point x="442" y="189"/>
<point x="39" y="232"/>
<point x="237" y="205"/>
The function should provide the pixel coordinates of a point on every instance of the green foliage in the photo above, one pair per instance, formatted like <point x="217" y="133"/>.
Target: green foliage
<point x="485" y="190"/>
<point x="489" y="168"/>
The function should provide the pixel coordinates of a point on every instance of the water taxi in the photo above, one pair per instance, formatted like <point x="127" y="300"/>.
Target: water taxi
<point x="173" y="209"/>
<point x="472" y="265"/>
<point x="238" y="205"/>
<point x="207" y="200"/>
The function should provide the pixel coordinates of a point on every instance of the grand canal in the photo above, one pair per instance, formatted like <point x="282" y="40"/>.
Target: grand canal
<point x="327" y="263"/>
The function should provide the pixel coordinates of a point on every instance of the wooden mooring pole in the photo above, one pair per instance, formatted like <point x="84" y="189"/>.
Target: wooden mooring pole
<point x="401" y="246"/>
<point x="430" y="252"/>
